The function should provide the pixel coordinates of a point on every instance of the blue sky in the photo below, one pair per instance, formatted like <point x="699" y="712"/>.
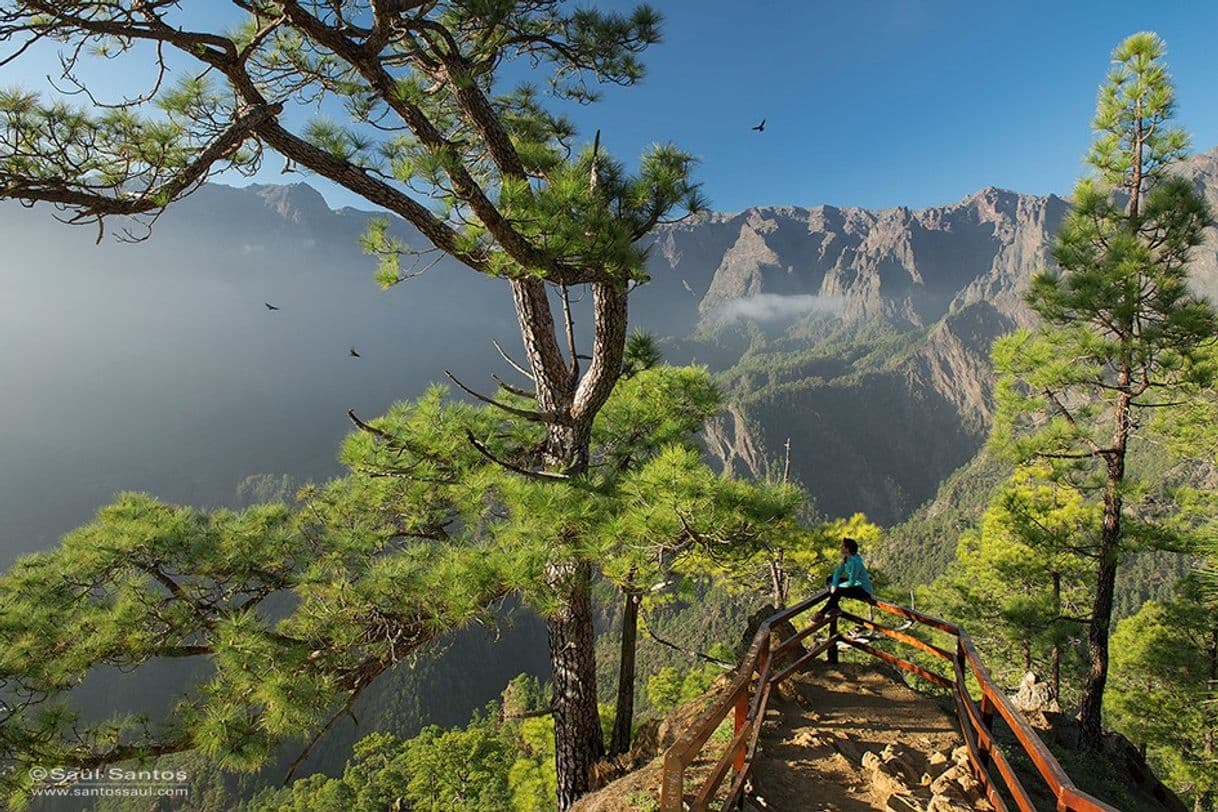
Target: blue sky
<point x="883" y="102"/>
<point x="897" y="102"/>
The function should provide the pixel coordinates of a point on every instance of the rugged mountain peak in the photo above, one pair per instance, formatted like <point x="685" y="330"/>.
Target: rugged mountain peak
<point x="297" y="203"/>
<point x="900" y="263"/>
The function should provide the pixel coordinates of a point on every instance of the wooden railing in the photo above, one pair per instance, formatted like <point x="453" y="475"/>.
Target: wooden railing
<point x="748" y="696"/>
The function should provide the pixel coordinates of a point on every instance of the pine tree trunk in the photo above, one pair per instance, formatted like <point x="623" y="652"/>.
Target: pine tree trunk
<point x="1205" y="800"/>
<point x="578" y="742"/>
<point x="778" y="581"/>
<point x="1091" y="710"/>
<point x="1057" y="646"/>
<point x="623" y="720"/>
<point x="572" y="401"/>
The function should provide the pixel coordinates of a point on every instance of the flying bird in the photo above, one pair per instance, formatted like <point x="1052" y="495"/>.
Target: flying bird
<point x="270" y="306"/>
<point x="354" y="354"/>
<point x="760" y="127"/>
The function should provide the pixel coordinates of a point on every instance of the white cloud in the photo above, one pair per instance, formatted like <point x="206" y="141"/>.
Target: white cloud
<point x="776" y="307"/>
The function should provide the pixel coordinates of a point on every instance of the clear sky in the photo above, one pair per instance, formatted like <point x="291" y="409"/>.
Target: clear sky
<point x="880" y="102"/>
<point x="897" y="102"/>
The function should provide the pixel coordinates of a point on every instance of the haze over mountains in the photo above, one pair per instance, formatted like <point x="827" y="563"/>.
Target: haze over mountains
<point x="862" y="335"/>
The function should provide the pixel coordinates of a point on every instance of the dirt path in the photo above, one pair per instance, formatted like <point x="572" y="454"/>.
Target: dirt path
<point x="848" y="738"/>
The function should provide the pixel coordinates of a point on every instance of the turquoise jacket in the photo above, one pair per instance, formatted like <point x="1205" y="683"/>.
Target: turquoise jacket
<point x="852" y="572"/>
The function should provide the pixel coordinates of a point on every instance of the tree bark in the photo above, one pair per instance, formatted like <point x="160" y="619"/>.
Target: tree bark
<point x="573" y="401"/>
<point x="623" y="720"/>
<point x="1057" y="646"/>
<point x="778" y="581"/>
<point x="1091" y="730"/>
<point x="578" y="742"/>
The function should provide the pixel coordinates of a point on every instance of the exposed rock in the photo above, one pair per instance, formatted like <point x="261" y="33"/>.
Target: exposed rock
<point x="1035" y="699"/>
<point x="954" y="276"/>
<point x="900" y="803"/>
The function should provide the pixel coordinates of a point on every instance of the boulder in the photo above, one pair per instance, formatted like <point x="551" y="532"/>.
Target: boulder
<point x="1035" y="700"/>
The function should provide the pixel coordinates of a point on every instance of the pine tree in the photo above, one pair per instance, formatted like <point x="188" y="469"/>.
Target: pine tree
<point x="429" y="530"/>
<point x="1165" y="672"/>
<point x="1120" y="331"/>
<point x="1017" y="584"/>
<point x="418" y="121"/>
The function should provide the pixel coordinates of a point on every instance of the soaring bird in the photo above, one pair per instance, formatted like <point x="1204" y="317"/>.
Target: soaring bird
<point x="354" y="354"/>
<point x="760" y="127"/>
<point x="270" y="306"/>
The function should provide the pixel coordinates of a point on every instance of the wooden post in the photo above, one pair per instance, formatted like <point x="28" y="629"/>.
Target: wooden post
<point x="987" y="719"/>
<point x="672" y="790"/>
<point x="831" y="653"/>
<point x="742" y="719"/>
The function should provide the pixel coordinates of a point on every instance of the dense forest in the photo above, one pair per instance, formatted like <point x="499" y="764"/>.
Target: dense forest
<point x="616" y="509"/>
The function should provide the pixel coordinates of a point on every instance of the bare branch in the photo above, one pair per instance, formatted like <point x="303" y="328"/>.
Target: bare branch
<point x="515" y="390"/>
<point x="486" y="452"/>
<point x="511" y="362"/>
<point x="525" y="414"/>
<point x="691" y="652"/>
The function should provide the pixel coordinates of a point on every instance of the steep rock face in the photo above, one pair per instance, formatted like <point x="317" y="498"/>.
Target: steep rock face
<point x="1202" y="171"/>
<point x="949" y="278"/>
<point x="912" y="266"/>
<point x="954" y="362"/>
<point x="728" y="439"/>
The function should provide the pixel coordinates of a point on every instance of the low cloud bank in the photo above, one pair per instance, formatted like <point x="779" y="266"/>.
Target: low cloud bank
<point x="777" y="307"/>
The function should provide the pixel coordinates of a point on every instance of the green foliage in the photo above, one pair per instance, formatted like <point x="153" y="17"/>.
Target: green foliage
<point x="532" y="779"/>
<point x="1165" y="661"/>
<point x="419" y="119"/>
<point x="1192" y="433"/>
<point x="696" y="616"/>
<point x="919" y="550"/>
<point x="1121" y="335"/>
<point x="1137" y="96"/>
<point x="643" y="801"/>
<point x="845" y="356"/>
<point x="642" y="352"/>
<point x="265" y="489"/>
<point x="423" y="536"/>
<point x="790" y="559"/>
<point x="438" y="770"/>
<point x="1120" y="325"/>
<point x="1016" y="584"/>
<point x="496" y="762"/>
<point x="671" y="687"/>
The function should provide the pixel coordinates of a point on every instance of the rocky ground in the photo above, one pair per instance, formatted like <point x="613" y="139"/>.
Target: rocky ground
<point x="842" y="738"/>
<point x="849" y="738"/>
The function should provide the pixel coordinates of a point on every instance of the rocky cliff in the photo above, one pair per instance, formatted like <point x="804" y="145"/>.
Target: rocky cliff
<point x="862" y="335"/>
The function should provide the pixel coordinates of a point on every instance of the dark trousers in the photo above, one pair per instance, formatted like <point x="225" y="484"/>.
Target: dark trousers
<point x="856" y="592"/>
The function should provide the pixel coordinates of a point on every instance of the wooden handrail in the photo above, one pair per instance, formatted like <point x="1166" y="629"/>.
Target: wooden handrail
<point x="748" y="697"/>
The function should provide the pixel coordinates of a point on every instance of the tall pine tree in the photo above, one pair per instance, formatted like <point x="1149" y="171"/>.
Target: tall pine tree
<point x="1120" y="330"/>
<point x="421" y="120"/>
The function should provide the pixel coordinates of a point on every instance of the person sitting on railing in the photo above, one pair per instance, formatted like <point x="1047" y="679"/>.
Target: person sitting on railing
<point x="850" y="579"/>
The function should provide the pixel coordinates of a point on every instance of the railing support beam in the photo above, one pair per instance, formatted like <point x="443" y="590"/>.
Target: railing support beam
<point x="742" y="719"/>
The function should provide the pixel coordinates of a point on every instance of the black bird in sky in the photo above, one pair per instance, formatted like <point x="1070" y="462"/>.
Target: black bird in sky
<point x="354" y="354"/>
<point x="270" y="306"/>
<point x="760" y="127"/>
